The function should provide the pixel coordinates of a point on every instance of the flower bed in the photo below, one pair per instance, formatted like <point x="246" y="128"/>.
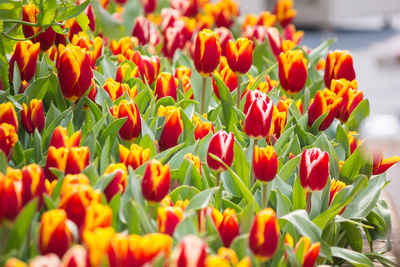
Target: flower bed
<point x="205" y="139"/>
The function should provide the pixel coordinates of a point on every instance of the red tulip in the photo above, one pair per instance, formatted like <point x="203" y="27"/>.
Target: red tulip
<point x="25" y="55"/>
<point x="203" y="128"/>
<point x="148" y="5"/>
<point x="141" y="30"/>
<point x="118" y="183"/>
<point x="380" y="165"/>
<point x="292" y="71"/>
<point x="168" y="218"/>
<point x="156" y="181"/>
<point x="148" y="66"/>
<point x="251" y="97"/>
<point x="265" y="163"/>
<point x="166" y="85"/>
<point x="60" y="138"/>
<point x="310" y="252"/>
<point x="77" y="160"/>
<point x="10" y="194"/>
<point x="258" y="119"/>
<point x="314" y="169"/>
<point x="339" y="64"/>
<point x="173" y="126"/>
<point x="133" y="125"/>
<point x="221" y="145"/>
<point x="229" y="227"/>
<point x="135" y="156"/>
<point x="32" y="117"/>
<point x="207" y="52"/>
<point x="240" y="55"/>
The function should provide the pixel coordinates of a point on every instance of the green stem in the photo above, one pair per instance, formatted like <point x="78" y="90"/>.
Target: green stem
<point x="264" y="193"/>
<point x="203" y="95"/>
<point x="308" y="202"/>
<point x="252" y="176"/>
<point x="238" y="93"/>
<point x="24" y="39"/>
<point x="26" y="23"/>
<point x="218" y="178"/>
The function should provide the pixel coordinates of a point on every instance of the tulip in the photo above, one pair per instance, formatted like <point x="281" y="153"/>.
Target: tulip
<point x="115" y="89"/>
<point x="240" y="55"/>
<point x="168" y="218"/>
<point x="336" y="186"/>
<point x="125" y="71"/>
<point x="284" y="12"/>
<point x="314" y="169"/>
<point x="118" y="183"/>
<point x="324" y="101"/>
<point x="14" y="262"/>
<point x="141" y="30"/>
<point x="119" y="250"/>
<point x="56" y="158"/>
<point x="11" y="194"/>
<point x="74" y="71"/>
<point x="32" y="117"/>
<point x="60" y="138"/>
<point x="8" y="139"/>
<point x="135" y="156"/>
<point x="275" y="41"/>
<point x="93" y="47"/>
<point x="292" y="71"/>
<point x="216" y="261"/>
<point x="228" y="254"/>
<point x="264" y="234"/>
<point x="123" y="45"/>
<point x="76" y="256"/>
<point x="195" y="160"/>
<point x="229" y="227"/>
<point x="351" y="98"/>
<point x="278" y="122"/>
<point x="183" y="74"/>
<point x="215" y="215"/>
<point x="54" y="235"/>
<point x="381" y="165"/>
<point x="290" y="33"/>
<point x="25" y="55"/>
<point x="49" y="260"/>
<point x="230" y="79"/>
<point x="225" y="36"/>
<point x="203" y="128"/>
<point x="148" y="66"/>
<point x="133" y="125"/>
<point x="207" y="52"/>
<point x="221" y="145"/>
<point x="190" y="252"/>
<point x="223" y="12"/>
<point x="258" y="119"/>
<point x="148" y="5"/>
<point x="156" y="181"/>
<point x="310" y="252"/>
<point x="339" y="65"/>
<point x="97" y="216"/>
<point x="33" y="183"/>
<point x="188" y="8"/>
<point x="173" y="126"/>
<point x="8" y="115"/>
<point x="251" y="97"/>
<point x="266" y="19"/>
<point x="77" y="160"/>
<point x="98" y="243"/>
<point x="166" y="85"/>
<point x="174" y="38"/>
<point x="265" y="163"/>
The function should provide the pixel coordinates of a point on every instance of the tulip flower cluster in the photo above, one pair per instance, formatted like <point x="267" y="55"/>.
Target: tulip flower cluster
<point x="200" y="139"/>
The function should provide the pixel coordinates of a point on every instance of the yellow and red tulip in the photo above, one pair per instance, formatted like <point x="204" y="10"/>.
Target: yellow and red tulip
<point x="183" y="74"/>
<point x="74" y="71"/>
<point x="156" y="181"/>
<point x="278" y="123"/>
<point x="93" y="47"/>
<point x="265" y="163"/>
<point x="144" y="249"/>
<point x="195" y="160"/>
<point x="240" y="55"/>
<point x="168" y="218"/>
<point x="264" y="234"/>
<point x="336" y="186"/>
<point x="293" y="35"/>
<point x="314" y="169"/>
<point x="98" y="243"/>
<point x="292" y="71"/>
<point x="148" y="66"/>
<point x="380" y="165"/>
<point x="125" y="71"/>
<point x="133" y="125"/>
<point x="118" y="183"/>
<point x="207" y="52"/>
<point x="223" y="12"/>
<point x="284" y="12"/>
<point x="258" y="119"/>
<point x="123" y="45"/>
<point x="135" y="156"/>
<point x="191" y="251"/>
<point x="54" y="235"/>
<point x="8" y="139"/>
<point x="203" y="128"/>
<point x="229" y="77"/>
<point x="115" y="89"/>
<point x="32" y="117"/>
<point x="351" y="98"/>
<point x="221" y="145"/>
<point x="11" y="194"/>
<point x="311" y="252"/>
<point x="8" y="115"/>
<point x="229" y="227"/>
<point x="56" y="158"/>
<point x="339" y="65"/>
<point x="266" y="19"/>
<point x="33" y="183"/>
<point x="324" y="101"/>
<point x="60" y="138"/>
<point x="97" y="216"/>
<point x="215" y="215"/>
<point x="141" y="30"/>
<point x="166" y="85"/>
<point x="77" y="159"/>
<point x="173" y="126"/>
<point x="25" y="55"/>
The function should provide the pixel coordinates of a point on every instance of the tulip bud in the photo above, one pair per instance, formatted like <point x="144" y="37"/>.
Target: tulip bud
<point x="339" y="64"/>
<point x="141" y="30"/>
<point x="97" y="216"/>
<point x="10" y="194"/>
<point x="310" y="252"/>
<point x="114" y="89"/>
<point x="148" y="66"/>
<point x="264" y="234"/>
<point x="133" y="125"/>
<point x="76" y="256"/>
<point x="98" y="243"/>
<point x="314" y="169"/>
<point x="284" y="12"/>
<point x="229" y="227"/>
<point x="60" y="138"/>
<point x="25" y="55"/>
<point x="135" y="156"/>
<point x="292" y="71"/>
<point x="168" y="218"/>
<point x="33" y="183"/>
<point x="56" y="158"/>
<point x="33" y="117"/>
<point x="118" y="183"/>
<point x="324" y="101"/>
<point x="225" y="36"/>
<point x="173" y="126"/>
<point x="77" y="160"/>
<point x="8" y="139"/>
<point x="251" y="97"/>
<point x="221" y="145"/>
<point x="195" y="160"/>
<point x="207" y="52"/>
<point x="258" y="119"/>
<point x="240" y="55"/>
<point x="156" y="181"/>
<point x="265" y="163"/>
<point x="13" y="262"/>
<point x="166" y="85"/>
<point x="203" y="128"/>
<point x="190" y="252"/>
<point x="54" y="235"/>
<point x="230" y="79"/>
<point x="49" y="260"/>
<point x="381" y="165"/>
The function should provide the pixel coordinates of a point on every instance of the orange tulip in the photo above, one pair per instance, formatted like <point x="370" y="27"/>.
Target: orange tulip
<point x="207" y="52"/>
<point x="118" y="183"/>
<point x="265" y="163"/>
<point x="173" y="126"/>
<point x="8" y="139"/>
<point x="292" y="71"/>
<point x="284" y="12"/>
<point x="156" y="181"/>
<point x="25" y="55"/>
<point x="166" y="85"/>
<point x="32" y="117"/>
<point x="133" y="125"/>
<point x="135" y="156"/>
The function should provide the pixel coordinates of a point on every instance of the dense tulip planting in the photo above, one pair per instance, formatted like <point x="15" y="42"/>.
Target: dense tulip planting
<point x="177" y="133"/>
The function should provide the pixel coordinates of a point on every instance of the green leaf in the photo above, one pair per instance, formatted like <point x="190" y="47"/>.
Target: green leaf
<point x="353" y="236"/>
<point x="46" y="16"/>
<point x="144" y="220"/>
<point x="110" y="26"/>
<point x="240" y="163"/>
<point x="3" y="162"/>
<point x="73" y="11"/>
<point x="227" y="103"/>
<point x="112" y="129"/>
<point x="38" y="88"/>
<point x="185" y="227"/>
<point x="201" y="200"/>
<point x="358" y="115"/>
<point x="287" y="170"/>
<point x="37" y="139"/>
<point x="358" y="163"/>
<point x="114" y="205"/>
<point x="299" y="195"/>
<point x="16" y="79"/>
<point x="355" y="258"/>
<point x="321" y="50"/>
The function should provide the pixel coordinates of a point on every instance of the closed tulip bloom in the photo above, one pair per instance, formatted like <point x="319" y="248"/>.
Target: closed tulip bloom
<point x="76" y="256"/>
<point x="265" y="163"/>
<point x="60" y="138"/>
<point x="278" y="122"/>
<point x="168" y="218"/>
<point x="133" y="125"/>
<point x="174" y="38"/>
<point x="33" y="183"/>
<point x="32" y="117"/>
<point x="173" y="126"/>
<point x="293" y="35"/>
<point x="92" y="46"/>
<point x="11" y="194"/>
<point x="74" y="71"/>
<point x="183" y="74"/>
<point x="125" y="71"/>
<point x="77" y="160"/>
<point x="25" y="55"/>
<point x="156" y="181"/>
<point x="258" y="119"/>
<point x="135" y="156"/>
<point x="8" y="139"/>
<point x="351" y="98"/>
<point x="97" y="216"/>
<point x="203" y="128"/>
<point x="324" y="101"/>
<point x="240" y="55"/>
<point x="54" y="235"/>
<point x="8" y="115"/>
<point x="148" y="66"/>
<point x="166" y="85"/>
<point x="229" y="227"/>
<point x="229" y="78"/>
<point x="148" y="5"/>
<point x="292" y="71"/>
<point x="380" y="165"/>
<point x="123" y="45"/>
<point x="141" y="30"/>
<point x="118" y="183"/>
<point x="98" y="243"/>
<point x="56" y="158"/>
<point x="264" y="234"/>
<point x="221" y="145"/>
<point x="190" y="252"/>
<point x="225" y="36"/>
<point x="115" y="89"/>
<point x="314" y="169"/>
<point x="207" y="52"/>
<point x="310" y="252"/>
<point x="251" y="97"/>
<point x="339" y="64"/>
<point x="216" y="217"/>
<point x="284" y="12"/>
